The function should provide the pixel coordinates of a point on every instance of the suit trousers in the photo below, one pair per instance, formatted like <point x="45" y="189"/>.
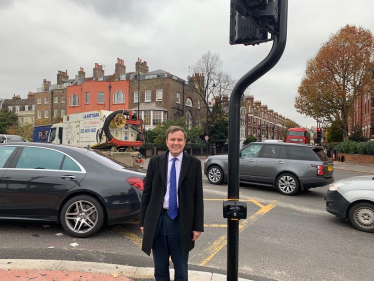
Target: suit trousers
<point x="167" y="243"/>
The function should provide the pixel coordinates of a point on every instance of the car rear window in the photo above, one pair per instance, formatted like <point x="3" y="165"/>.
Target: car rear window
<point x="300" y="153"/>
<point x="320" y="154"/>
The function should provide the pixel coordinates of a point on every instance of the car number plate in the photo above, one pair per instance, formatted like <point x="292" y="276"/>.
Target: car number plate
<point x="329" y="168"/>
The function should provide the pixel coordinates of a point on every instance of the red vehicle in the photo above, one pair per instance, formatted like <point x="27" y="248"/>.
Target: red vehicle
<point x="297" y="135"/>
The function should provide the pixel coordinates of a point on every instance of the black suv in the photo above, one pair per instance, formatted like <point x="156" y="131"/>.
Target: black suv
<point x="287" y="166"/>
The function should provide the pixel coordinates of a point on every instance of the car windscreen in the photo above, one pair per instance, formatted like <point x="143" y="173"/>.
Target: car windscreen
<point x="296" y="133"/>
<point x="321" y="155"/>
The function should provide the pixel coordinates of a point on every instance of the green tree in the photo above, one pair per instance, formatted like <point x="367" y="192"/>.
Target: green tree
<point x="335" y="133"/>
<point x="219" y="124"/>
<point x="7" y="119"/>
<point x="250" y="138"/>
<point x="357" y="135"/>
<point x="157" y="135"/>
<point x="339" y="73"/>
<point x="25" y="131"/>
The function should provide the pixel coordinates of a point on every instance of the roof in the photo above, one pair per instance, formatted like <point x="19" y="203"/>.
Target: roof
<point x="149" y="106"/>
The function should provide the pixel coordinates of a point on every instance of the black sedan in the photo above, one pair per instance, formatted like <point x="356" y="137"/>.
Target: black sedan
<point x="77" y="187"/>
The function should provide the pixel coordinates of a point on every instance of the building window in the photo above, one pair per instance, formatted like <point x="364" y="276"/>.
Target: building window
<point x="62" y="112"/>
<point x="33" y="107"/>
<point x="26" y="108"/>
<point x="189" y="102"/>
<point x="46" y="100"/>
<point x="198" y="104"/>
<point x="74" y="100"/>
<point x="157" y="117"/>
<point x="46" y="113"/>
<point x="100" y="97"/>
<point x="119" y="97"/>
<point x="62" y="99"/>
<point x="147" y="96"/>
<point x="39" y="114"/>
<point x="17" y="109"/>
<point x="147" y="117"/>
<point x="189" y="119"/>
<point x="55" y="113"/>
<point x="87" y="97"/>
<point x="136" y="97"/>
<point x="165" y="116"/>
<point x="10" y="108"/>
<point x="178" y="98"/>
<point x="39" y="100"/>
<point x="159" y="94"/>
<point x="55" y="99"/>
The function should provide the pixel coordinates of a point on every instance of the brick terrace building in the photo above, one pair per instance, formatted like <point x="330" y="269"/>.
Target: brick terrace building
<point x="363" y="115"/>
<point x="24" y="108"/>
<point x="165" y="96"/>
<point x="99" y="92"/>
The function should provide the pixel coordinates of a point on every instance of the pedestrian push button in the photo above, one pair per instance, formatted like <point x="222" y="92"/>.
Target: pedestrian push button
<point x="234" y="210"/>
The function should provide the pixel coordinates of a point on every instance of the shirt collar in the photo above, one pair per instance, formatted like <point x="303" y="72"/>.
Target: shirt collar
<point x="180" y="157"/>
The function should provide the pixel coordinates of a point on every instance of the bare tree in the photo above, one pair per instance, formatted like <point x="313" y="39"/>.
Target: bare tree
<point x="214" y="83"/>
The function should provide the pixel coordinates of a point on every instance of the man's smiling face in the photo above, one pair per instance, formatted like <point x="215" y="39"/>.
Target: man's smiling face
<point x="175" y="143"/>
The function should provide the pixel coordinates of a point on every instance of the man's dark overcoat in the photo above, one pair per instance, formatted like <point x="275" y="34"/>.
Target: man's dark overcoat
<point x="190" y="196"/>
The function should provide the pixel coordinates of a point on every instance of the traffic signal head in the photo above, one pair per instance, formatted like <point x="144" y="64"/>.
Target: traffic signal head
<point x="319" y="135"/>
<point x="251" y="20"/>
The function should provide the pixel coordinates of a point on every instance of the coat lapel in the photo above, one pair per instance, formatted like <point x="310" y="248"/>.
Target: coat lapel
<point x="186" y="162"/>
<point x="162" y="168"/>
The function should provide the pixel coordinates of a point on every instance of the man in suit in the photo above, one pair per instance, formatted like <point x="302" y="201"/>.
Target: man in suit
<point x="172" y="208"/>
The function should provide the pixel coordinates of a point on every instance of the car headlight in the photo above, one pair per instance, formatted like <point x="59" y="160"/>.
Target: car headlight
<point x="335" y="186"/>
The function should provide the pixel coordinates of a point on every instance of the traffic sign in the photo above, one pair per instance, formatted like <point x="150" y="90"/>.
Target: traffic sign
<point x="206" y="138"/>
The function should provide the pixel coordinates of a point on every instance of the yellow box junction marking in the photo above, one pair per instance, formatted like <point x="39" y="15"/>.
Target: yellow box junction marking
<point x="221" y="242"/>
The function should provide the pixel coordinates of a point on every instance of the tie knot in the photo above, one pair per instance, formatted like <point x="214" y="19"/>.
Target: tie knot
<point x="174" y="159"/>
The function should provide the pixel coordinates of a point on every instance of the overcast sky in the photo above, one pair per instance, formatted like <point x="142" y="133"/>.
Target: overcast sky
<point x="40" y="37"/>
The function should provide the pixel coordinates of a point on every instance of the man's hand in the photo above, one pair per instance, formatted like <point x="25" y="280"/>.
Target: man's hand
<point x="142" y="229"/>
<point x="195" y="235"/>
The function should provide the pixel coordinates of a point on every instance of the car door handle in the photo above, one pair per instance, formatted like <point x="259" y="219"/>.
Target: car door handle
<point x="280" y="162"/>
<point x="68" y="177"/>
<point x="251" y="160"/>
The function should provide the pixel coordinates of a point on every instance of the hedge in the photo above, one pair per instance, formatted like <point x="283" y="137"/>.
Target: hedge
<point x="365" y="148"/>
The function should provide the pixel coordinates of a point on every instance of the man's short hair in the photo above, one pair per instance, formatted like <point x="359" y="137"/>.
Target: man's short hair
<point x="173" y="129"/>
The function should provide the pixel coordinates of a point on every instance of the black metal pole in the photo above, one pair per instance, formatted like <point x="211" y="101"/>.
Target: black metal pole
<point x="259" y="70"/>
<point x="138" y="95"/>
<point x="109" y="87"/>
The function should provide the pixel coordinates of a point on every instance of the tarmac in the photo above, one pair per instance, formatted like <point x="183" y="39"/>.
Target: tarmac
<point x="63" y="270"/>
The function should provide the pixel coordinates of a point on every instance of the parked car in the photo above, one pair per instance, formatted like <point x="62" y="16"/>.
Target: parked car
<point x="289" y="167"/>
<point x="76" y="187"/>
<point x="10" y="138"/>
<point x="353" y="199"/>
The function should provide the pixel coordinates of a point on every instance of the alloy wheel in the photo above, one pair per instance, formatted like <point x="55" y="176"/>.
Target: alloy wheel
<point x="81" y="216"/>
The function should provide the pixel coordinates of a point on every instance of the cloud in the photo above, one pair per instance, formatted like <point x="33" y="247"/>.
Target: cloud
<point x="40" y="37"/>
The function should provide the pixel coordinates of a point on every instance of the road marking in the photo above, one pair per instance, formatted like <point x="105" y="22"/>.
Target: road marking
<point x="128" y="235"/>
<point x="221" y="242"/>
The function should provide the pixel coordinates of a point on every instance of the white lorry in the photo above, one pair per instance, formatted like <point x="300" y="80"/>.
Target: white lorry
<point x="118" y="134"/>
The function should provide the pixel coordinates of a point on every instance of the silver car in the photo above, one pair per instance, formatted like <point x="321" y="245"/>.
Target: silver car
<point x="353" y="199"/>
<point x="289" y="167"/>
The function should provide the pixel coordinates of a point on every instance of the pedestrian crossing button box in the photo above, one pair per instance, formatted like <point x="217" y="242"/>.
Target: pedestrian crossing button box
<point x="234" y="210"/>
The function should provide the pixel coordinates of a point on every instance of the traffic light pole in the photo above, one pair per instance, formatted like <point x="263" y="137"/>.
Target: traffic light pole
<point x="259" y="70"/>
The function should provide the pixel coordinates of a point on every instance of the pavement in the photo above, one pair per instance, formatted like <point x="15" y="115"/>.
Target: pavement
<point x="63" y="270"/>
